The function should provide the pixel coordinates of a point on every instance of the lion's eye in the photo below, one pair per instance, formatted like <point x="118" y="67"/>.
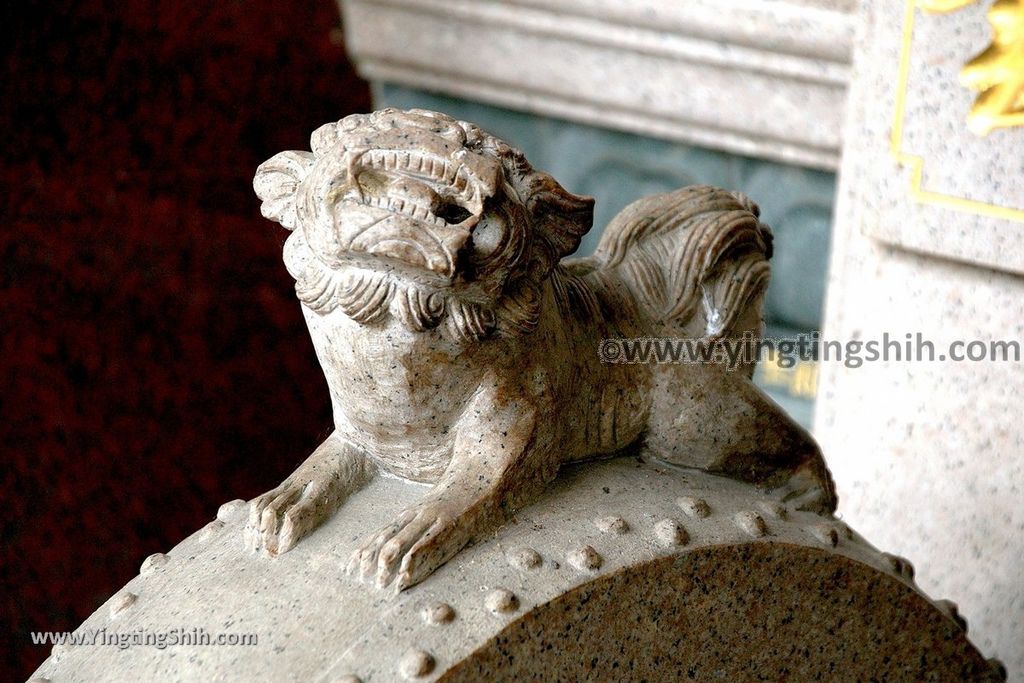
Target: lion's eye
<point x="487" y="236"/>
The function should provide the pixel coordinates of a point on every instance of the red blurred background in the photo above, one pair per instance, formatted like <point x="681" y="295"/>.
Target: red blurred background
<point x="155" y="363"/>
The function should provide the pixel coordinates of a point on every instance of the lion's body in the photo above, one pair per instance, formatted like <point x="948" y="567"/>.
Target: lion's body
<point x="461" y="352"/>
<point x="399" y="395"/>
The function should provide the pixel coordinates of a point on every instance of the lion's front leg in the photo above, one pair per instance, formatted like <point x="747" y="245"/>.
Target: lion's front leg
<point x="494" y="469"/>
<point x="281" y="517"/>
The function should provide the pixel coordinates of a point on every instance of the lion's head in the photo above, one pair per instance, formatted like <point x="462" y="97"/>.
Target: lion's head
<point x="417" y="215"/>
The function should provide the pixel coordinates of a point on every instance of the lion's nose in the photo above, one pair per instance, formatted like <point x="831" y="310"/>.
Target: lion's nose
<point x="431" y="247"/>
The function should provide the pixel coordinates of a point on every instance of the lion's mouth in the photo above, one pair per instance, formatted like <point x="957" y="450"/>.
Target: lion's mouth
<point x="397" y="205"/>
<point x="424" y="187"/>
<point x="419" y="208"/>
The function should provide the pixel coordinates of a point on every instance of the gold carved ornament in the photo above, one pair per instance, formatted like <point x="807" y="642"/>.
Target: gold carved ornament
<point x="997" y="74"/>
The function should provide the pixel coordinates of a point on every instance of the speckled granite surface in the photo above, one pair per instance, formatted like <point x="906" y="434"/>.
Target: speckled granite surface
<point x="935" y="182"/>
<point x="756" y="611"/>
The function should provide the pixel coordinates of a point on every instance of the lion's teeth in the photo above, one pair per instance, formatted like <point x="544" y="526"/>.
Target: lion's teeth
<point x="437" y="169"/>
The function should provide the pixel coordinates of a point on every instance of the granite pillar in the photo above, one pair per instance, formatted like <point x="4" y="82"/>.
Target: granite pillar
<point x="929" y="454"/>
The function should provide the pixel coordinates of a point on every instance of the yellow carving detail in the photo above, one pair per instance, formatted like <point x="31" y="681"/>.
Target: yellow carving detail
<point x="998" y="72"/>
<point x="914" y="162"/>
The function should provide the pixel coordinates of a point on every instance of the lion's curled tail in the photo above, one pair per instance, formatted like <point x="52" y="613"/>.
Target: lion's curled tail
<point x="696" y="260"/>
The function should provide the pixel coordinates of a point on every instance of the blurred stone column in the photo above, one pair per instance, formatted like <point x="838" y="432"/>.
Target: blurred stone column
<point x="929" y="456"/>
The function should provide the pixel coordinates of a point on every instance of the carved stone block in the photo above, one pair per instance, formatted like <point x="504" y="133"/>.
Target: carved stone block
<point x="805" y="597"/>
<point x="473" y="392"/>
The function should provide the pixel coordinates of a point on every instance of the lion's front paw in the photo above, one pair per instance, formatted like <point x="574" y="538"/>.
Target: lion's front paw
<point x="283" y="515"/>
<point x="409" y="549"/>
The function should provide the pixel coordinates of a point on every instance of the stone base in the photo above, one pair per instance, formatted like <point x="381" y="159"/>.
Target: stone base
<point x="626" y="569"/>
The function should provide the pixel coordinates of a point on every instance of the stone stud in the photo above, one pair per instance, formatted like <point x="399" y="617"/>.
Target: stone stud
<point x="900" y="565"/>
<point x="694" y="507"/>
<point x="908" y="570"/>
<point x="232" y="510"/>
<point x="501" y="601"/>
<point x="671" y="533"/>
<point x="122" y="602"/>
<point x="416" y="663"/>
<point x="586" y="559"/>
<point x="950" y="608"/>
<point x="211" y="529"/>
<point x="997" y="668"/>
<point x="349" y="678"/>
<point x="152" y="563"/>
<point x="752" y="523"/>
<point x="438" y="613"/>
<point x="525" y="558"/>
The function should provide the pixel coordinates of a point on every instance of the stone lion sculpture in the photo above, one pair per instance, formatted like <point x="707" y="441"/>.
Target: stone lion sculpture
<point x="461" y="351"/>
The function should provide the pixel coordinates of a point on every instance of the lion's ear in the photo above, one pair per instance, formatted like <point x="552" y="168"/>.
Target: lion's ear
<point x="276" y="183"/>
<point x="562" y="216"/>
